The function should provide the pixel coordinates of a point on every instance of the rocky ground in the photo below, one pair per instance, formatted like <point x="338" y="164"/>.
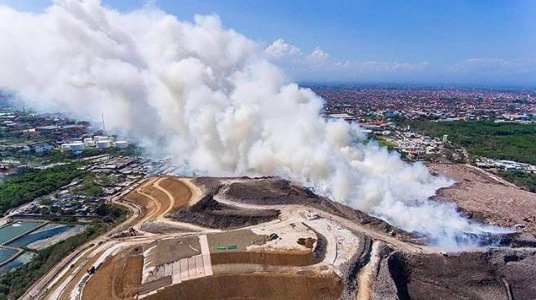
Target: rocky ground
<point x="493" y="274"/>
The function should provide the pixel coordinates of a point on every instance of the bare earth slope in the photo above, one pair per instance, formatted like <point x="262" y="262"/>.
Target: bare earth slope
<point x="266" y="238"/>
<point x="485" y="197"/>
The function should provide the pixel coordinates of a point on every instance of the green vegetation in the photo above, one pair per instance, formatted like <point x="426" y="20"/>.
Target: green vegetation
<point x="382" y="142"/>
<point x="14" y="284"/>
<point x="510" y="141"/>
<point x="524" y="179"/>
<point x="111" y="213"/>
<point x="90" y="187"/>
<point x="18" y="190"/>
<point x="385" y="143"/>
<point x="67" y="155"/>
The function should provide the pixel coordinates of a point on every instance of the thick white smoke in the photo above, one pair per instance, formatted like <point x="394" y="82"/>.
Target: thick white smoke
<point x="206" y="95"/>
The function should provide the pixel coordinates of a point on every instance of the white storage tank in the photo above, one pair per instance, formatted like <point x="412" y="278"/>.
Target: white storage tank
<point x="88" y="140"/>
<point x="77" y="146"/>
<point x="98" y="138"/>
<point x="90" y="143"/>
<point x="103" y="144"/>
<point x="121" y="144"/>
<point x="66" y="146"/>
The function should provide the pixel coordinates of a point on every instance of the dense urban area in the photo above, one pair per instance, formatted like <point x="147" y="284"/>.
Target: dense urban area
<point x="60" y="175"/>
<point x="493" y="129"/>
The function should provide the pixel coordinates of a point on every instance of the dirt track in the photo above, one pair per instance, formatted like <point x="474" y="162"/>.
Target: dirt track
<point x="160" y="196"/>
<point x="147" y="202"/>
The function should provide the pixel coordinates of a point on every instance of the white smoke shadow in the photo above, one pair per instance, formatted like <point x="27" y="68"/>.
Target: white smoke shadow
<point x="206" y="95"/>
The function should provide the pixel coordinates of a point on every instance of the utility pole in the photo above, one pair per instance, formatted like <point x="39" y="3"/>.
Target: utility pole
<point x="103" y="125"/>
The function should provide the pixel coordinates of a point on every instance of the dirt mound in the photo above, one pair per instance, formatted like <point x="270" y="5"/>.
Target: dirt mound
<point x="170" y="250"/>
<point x="100" y="284"/>
<point x="179" y="190"/>
<point x="128" y="284"/>
<point x="242" y="239"/>
<point x="159" y="228"/>
<point x="273" y="191"/>
<point x="117" y="277"/>
<point x="495" y="274"/>
<point x="210" y="213"/>
<point x="307" y="242"/>
<point x="486" y="198"/>
<point x="254" y="286"/>
<point x="144" y="203"/>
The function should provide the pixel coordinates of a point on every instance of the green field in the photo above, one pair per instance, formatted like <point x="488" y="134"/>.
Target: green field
<point x="510" y="141"/>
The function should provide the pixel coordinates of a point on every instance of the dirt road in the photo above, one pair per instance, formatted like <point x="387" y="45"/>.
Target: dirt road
<point x="148" y="201"/>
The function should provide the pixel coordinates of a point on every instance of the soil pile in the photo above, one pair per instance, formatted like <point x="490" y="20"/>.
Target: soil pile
<point x="494" y="274"/>
<point x="212" y="214"/>
<point x="487" y="198"/>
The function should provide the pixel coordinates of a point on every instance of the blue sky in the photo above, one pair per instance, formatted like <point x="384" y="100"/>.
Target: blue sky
<point x="463" y="42"/>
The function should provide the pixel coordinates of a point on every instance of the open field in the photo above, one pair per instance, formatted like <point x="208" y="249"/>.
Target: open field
<point x="239" y="238"/>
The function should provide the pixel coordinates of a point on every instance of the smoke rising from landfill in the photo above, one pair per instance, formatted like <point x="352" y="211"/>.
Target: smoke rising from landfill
<point x="206" y="95"/>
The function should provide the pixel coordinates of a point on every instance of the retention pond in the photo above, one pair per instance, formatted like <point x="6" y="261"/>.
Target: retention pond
<point x="13" y="230"/>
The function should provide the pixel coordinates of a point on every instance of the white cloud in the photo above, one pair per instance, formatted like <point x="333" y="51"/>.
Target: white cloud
<point x="345" y="63"/>
<point x="498" y="66"/>
<point x="318" y="56"/>
<point x="389" y="67"/>
<point x="319" y="62"/>
<point x="280" y="50"/>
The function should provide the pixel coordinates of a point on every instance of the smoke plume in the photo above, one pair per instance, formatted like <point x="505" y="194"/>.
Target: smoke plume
<point x="207" y="95"/>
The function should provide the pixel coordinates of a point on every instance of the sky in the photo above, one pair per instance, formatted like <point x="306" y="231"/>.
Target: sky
<point x="473" y="42"/>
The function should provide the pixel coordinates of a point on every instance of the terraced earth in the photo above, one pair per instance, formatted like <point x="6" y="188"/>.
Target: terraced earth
<point x="265" y="238"/>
